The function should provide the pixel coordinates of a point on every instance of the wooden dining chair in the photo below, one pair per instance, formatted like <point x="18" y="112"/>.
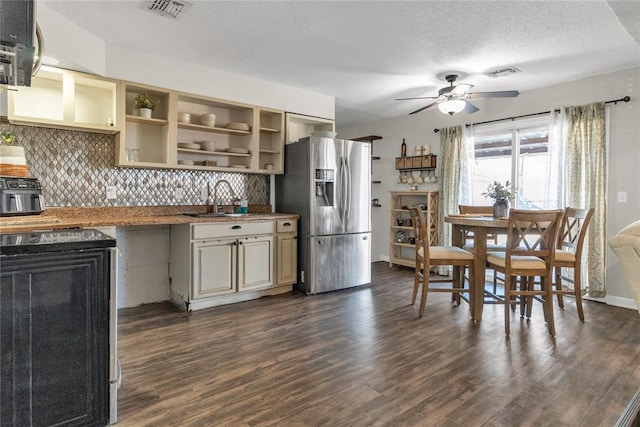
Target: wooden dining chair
<point x="531" y="242"/>
<point x="428" y="256"/>
<point x="492" y="238"/>
<point x="569" y="254"/>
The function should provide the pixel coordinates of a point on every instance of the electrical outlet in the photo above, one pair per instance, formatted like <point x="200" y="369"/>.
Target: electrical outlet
<point x="178" y="193"/>
<point x="111" y="192"/>
<point x="622" y="197"/>
<point x="204" y="194"/>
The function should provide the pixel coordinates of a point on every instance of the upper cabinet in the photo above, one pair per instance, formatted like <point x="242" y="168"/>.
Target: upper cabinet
<point x="144" y="141"/>
<point x="300" y="126"/>
<point x="187" y="131"/>
<point x="66" y="99"/>
<point x="183" y="131"/>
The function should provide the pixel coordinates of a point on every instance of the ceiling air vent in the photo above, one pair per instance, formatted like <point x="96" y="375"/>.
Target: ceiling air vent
<point x="502" y="72"/>
<point x="171" y="8"/>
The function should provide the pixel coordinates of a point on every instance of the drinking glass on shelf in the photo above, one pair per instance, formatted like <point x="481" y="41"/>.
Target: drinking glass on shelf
<point x="135" y="155"/>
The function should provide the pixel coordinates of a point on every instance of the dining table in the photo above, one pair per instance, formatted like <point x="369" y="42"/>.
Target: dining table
<point x="479" y="226"/>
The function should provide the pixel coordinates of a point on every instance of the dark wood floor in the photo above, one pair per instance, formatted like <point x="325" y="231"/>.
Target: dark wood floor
<point x="362" y="357"/>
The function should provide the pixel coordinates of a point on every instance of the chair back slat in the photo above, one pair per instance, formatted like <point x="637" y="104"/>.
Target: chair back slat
<point x="420" y="227"/>
<point x="573" y="229"/>
<point x="533" y="233"/>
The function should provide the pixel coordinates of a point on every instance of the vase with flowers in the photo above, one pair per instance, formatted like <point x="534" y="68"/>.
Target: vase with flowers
<point x="144" y="104"/>
<point x="501" y="194"/>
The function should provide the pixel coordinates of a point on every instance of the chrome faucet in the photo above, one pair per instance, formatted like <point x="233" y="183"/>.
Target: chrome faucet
<point x="215" y="193"/>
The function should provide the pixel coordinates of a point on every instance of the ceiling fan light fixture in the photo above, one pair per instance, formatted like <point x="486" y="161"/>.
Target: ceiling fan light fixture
<point x="452" y="106"/>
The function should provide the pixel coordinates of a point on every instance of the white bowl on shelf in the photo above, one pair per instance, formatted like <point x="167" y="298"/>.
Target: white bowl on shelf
<point x="184" y="117"/>
<point x="207" y="145"/>
<point x="208" y="120"/>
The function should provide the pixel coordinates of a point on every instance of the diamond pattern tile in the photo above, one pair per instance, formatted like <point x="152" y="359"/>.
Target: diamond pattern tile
<point x="74" y="168"/>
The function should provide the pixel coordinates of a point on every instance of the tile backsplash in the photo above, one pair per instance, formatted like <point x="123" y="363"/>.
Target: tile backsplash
<point x="75" y="167"/>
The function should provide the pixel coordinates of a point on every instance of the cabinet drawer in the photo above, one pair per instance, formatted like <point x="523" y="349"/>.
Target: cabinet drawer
<point x="230" y="229"/>
<point x="286" y="225"/>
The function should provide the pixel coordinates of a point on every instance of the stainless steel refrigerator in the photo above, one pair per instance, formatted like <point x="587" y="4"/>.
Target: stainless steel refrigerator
<point x="328" y="183"/>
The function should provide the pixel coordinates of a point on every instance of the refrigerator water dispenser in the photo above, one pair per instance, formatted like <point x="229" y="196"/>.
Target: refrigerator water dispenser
<point x="324" y="187"/>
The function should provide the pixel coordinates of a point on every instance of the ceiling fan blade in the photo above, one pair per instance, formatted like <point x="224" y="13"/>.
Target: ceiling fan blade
<point x="461" y="89"/>
<point x="419" y="97"/>
<point x="496" y="94"/>
<point x="424" y="108"/>
<point x="470" y="108"/>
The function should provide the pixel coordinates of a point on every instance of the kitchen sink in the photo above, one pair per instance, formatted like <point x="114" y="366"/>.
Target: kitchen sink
<point x="214" y="215"/>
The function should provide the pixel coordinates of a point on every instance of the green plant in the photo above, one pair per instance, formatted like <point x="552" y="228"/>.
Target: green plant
<point x="498" y="191"/>
<point x="7" y="137"/>
<point x="143" y="100"/>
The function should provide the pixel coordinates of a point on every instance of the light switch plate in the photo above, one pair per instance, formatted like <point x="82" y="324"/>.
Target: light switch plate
<point x="622" y="197"/>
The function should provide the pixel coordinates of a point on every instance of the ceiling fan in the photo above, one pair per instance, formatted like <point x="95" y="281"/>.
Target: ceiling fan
<point x="453" y="98"/>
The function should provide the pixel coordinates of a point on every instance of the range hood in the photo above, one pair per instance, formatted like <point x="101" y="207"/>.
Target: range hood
<point x="17" y="42"/>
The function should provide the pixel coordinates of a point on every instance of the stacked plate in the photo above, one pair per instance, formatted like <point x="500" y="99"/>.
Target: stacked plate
<point x="238" y="166"/>
<point x="189" y="145"/>
<point x="237" y="150"/>
<point x="238" y="126"/>
<point x="185" y="162"/>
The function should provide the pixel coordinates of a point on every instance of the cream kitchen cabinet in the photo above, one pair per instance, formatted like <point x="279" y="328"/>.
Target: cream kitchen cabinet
<point x="286" y="252"/>
<point x="300" y="126"/>
<point x="221" y="263"/>
<point x="148" y="138"/>
<point x="68" y="100"/>
<point x="161" y="141"/>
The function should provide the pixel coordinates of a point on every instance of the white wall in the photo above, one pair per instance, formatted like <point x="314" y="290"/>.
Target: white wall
<point x="624" y="152"/>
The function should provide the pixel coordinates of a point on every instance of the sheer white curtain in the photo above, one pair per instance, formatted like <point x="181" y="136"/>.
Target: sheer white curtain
<point x="556" y="181"/>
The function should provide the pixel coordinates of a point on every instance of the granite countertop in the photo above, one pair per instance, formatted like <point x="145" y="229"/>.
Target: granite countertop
<point x="56" y="218"/>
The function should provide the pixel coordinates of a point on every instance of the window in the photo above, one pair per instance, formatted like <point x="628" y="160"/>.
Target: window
<point x="519" y="154"/>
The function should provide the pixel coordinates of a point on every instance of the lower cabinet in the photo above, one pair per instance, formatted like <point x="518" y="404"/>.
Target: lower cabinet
<point x="229" y="262"/>
<point x="214" y="271"/>
<point x="255" y="263"/>
<point x="286" y="252"/>
<point x="54" y="341"/>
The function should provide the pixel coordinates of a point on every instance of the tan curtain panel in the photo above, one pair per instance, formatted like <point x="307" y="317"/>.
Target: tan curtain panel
<point x="451" y="152"/>
<point x="586" y="159"/>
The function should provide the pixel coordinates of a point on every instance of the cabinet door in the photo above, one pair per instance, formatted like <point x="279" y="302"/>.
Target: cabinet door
<point x="214" y="271"/>
<point x="54" y="345"/>
<point x="286" y="259"/>
<point x="67" y="99"/>
<point x="255" y="263"/>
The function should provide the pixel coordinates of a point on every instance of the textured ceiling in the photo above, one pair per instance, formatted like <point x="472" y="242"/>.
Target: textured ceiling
<point x="366" y="54"/>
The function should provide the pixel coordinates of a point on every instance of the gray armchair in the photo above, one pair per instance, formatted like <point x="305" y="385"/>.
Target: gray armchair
<point x="626" y="246"/>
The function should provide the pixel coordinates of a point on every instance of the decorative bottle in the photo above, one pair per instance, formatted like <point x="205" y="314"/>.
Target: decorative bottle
<point x="403" y="149"/>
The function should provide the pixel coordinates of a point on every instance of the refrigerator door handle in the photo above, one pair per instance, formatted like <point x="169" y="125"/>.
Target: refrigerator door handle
<point x="343" y="189"/>
<point x="347" y="205"/>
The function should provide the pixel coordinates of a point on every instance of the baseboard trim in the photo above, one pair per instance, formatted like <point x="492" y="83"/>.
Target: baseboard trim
<point x="621" y="302"/>
<point x="631" y="415"/>
<point x="384" y="258"/>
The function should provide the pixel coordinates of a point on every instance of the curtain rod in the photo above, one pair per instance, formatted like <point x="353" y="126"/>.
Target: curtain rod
<point x="614" y="101"/>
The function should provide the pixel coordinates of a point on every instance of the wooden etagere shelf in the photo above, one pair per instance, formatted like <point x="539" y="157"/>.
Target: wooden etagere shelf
<point x="401" y="251"/>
